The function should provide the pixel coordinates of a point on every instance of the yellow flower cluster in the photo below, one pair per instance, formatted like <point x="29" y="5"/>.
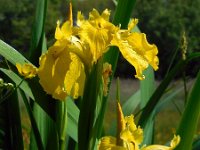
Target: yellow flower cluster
<point x="130" y="137"/>
<point x="63" y="68"/>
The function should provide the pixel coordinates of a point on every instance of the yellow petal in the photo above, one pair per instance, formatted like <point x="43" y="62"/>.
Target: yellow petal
<point x="121" y="124"/>
<point x="156" y="147"/>
<point x="97" y="32"/>
<point x="75" y="77"/>
<point x="132" y="24"/>
<point x="175" y="141"/>
<point x="131" y="56"/>
<point x="27" y="70"/>
<point x="65" y="32"/>
<point x="59" y="72"/>
<point x="109" y="143"/>
<point x="131" y="135"/>
<point x="80" y="18"/>
<point x="136" y="50"/>
<point x="149" y="51"/>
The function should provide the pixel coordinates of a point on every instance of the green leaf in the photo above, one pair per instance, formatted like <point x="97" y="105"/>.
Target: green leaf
<point x="73" y="115"/>
<point x="33" y="89"/>
<point x="33" y="123"/>
<point x="147" y="87"/>
<point x="162" y="87"/>
<point x="18" y="81"/>
<point x="86" y="136"/>
<point x="189" y="121"/>
<point x="11" y="54"/>
<point x="37" y="41"/>
<point x="132" y="103"/>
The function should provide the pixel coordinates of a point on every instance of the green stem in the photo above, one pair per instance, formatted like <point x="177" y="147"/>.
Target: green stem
<point x="61" y="123"/>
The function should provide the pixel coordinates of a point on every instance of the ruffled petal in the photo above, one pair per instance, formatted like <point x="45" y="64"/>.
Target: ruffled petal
<point x="132" y="24"/>
<point x="140" y="44"/>
<point x="27" y="70"/>
<point x="96" y="31"/>
<point x="65" y="32"/>
<point x="61" y="72"/>
<point x="136" y="50"/>
<point x="174" y="142"/>
<point x="52" y="72"/>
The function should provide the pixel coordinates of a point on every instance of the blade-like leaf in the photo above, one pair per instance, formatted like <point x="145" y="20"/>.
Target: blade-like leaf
<point x="132" y="103"/>
<point x="189" y="121"/>
<point x="33" y="123"/>
<point x="147" y="88"/>
<point x="18" y="81"/>
<point x="86" y="138"/>
<point x="12" y="55"/>
<point x="37" y="41"/>
<point x="161" y="88"/>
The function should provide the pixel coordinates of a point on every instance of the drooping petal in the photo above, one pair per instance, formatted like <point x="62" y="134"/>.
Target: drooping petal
<point x="75" y="77"/>
<point x="27" y="70"/>
<point x="131" y="56"/>
<point x="52" y="72"/>
<point x="149" y="51"/>
<point x="175" y="141"/>
<point x="59" y="72"/>
<point x="136" y="50"/>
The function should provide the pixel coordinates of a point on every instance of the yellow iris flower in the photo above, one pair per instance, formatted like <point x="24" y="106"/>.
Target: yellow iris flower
<point x="99" y="33"/>
<point x="130" y="137"/>
<point x="64" y="67"/>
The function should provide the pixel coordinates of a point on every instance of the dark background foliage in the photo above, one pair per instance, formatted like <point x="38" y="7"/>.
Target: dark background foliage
<point x="163" y="21"/>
